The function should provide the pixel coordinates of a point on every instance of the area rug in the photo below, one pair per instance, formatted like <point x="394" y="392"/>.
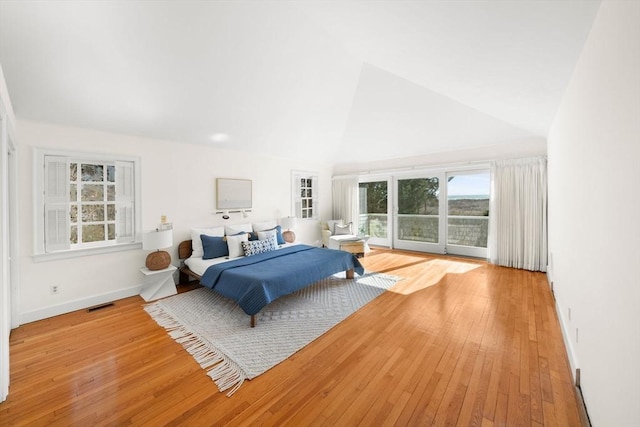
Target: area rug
<point x="216" y="332"/>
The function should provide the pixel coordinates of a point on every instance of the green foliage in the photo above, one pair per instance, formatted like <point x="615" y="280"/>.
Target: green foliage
<point x="373" y="197"/>
<point x="418" y="196"/>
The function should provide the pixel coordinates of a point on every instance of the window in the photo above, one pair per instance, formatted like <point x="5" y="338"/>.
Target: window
<point x="305" y="195"/>
<point x="88" y="202"/>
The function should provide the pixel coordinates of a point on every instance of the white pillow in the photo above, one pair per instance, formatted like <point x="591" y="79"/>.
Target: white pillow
<point x="197" y="251"/>
<point x="235" y="245"/>
<point x="267" y="225"/>
<point x="269" y="235"/>
<point x="230" y="230"/>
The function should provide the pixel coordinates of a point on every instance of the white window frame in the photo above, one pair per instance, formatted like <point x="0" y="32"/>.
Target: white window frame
<point x="133" y="201"/>
<point x="296" y="198"/>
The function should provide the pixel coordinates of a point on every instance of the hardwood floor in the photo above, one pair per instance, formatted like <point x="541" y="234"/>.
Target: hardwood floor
<point x="458" y="342"/>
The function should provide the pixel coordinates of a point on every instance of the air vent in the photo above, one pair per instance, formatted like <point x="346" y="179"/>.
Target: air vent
<point x="99" y="307"/>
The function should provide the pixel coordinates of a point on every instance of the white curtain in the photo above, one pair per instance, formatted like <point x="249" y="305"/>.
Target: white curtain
<point x="345" y="201"/>
<point x="518" y="229"/>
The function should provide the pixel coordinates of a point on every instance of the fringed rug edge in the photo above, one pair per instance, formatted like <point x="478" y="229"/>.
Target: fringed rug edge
<point x="225" y="373"/>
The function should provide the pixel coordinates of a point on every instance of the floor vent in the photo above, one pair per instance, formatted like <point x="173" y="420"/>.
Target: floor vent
<point x="98" y="307"/>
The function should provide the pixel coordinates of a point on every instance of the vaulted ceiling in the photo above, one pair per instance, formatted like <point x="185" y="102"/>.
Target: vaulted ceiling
<point x="336" y="81"/>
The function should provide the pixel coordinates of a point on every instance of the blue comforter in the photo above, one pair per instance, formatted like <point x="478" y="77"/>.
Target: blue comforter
<point x="255" y="281"/>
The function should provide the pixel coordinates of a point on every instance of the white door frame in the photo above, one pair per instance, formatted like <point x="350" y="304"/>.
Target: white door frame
<point x="5" y="303"/>
<point x="9" y="289"/>
<point x="14" y="241"/>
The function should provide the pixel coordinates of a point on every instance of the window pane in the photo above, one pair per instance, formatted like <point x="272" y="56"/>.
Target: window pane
<point x="468" y="209"/>
<point x="418" y="201"/>
<point x="92" y="172"/>
<point x="373" y="208"/>
<point x="111" y="173"/>
<point x="304" y="213"/>
<point x="73" y="192"/>
<point x="111" y="212"/>
<point x="111" y="193"/>
<point x="303" y="193"/>
<point x="304" y="203"/>
<point x="73" y="169"/>
<point x="309" y="193"/>
<point x="92" y="192"/>
<point x="309" y="183"/>
<point x="92" y="213"/>
<point x="74" y="213"/>
<point x="92" y="233"/>
<point x="74" y="234"/>
<point x="112" y="231"/>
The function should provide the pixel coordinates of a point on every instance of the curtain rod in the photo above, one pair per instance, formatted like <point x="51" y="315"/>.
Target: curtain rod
<point x="427" y="167"/>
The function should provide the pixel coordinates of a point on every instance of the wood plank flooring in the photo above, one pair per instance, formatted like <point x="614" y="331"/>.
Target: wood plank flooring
<point x="458" y="342"/>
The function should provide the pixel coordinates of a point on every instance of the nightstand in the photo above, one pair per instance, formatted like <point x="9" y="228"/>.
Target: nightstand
<point x="158" y="283"/>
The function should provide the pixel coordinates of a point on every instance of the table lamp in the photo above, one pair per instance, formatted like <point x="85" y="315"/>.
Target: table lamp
<point x="288" y="222"/>
<point x="154" y="241"/>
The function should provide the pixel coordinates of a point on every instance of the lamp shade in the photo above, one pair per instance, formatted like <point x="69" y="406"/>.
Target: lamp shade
<point x="288" y="222"/>
<point x="154" y="240"/>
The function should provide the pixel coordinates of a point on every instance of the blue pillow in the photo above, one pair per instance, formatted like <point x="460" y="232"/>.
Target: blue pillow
<point x="214" y="247"/>
<point x="278" y="234"/>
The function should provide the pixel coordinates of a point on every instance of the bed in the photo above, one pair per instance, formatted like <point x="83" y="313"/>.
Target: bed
<point x="255" y="281"/>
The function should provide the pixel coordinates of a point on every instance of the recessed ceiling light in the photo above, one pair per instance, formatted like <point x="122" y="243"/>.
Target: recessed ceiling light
<point x="219" y="137"/>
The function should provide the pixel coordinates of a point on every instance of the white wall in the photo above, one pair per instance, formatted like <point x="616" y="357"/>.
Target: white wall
<point x="594" y="223"/>
<point x="178" y="180"/>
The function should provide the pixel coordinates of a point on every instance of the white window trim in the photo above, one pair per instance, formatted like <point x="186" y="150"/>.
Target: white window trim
<point x="39" y="254"/>
<point x="295" y="191"/>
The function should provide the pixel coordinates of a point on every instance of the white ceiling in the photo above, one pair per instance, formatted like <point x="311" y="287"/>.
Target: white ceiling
<point x="339" y="82"/>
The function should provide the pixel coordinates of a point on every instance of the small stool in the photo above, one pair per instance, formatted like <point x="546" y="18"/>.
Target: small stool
<point x="354" y="247"/>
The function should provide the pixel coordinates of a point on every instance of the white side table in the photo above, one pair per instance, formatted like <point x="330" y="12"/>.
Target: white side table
<point x="158" y="283"/>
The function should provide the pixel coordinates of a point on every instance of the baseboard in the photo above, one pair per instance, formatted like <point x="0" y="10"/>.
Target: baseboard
<point x="79" y="304"/>
<point x="573" y="361"/>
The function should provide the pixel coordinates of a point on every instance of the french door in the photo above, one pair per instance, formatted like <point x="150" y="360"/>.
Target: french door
<point x="442" y="212"/>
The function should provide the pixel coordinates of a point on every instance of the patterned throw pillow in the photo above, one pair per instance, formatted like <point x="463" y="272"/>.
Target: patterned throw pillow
<point x="254" y="247"/>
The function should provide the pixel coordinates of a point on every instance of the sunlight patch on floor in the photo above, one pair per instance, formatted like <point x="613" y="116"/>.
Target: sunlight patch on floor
<point x="430" y="273"/>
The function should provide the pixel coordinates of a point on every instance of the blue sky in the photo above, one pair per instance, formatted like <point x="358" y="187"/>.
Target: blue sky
<point x="468" y="185"/>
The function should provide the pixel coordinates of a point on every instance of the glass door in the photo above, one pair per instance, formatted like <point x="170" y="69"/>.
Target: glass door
<point x="468" y="212"/>
<point x="418" y="214"/>
<point x="374" y="211"/>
